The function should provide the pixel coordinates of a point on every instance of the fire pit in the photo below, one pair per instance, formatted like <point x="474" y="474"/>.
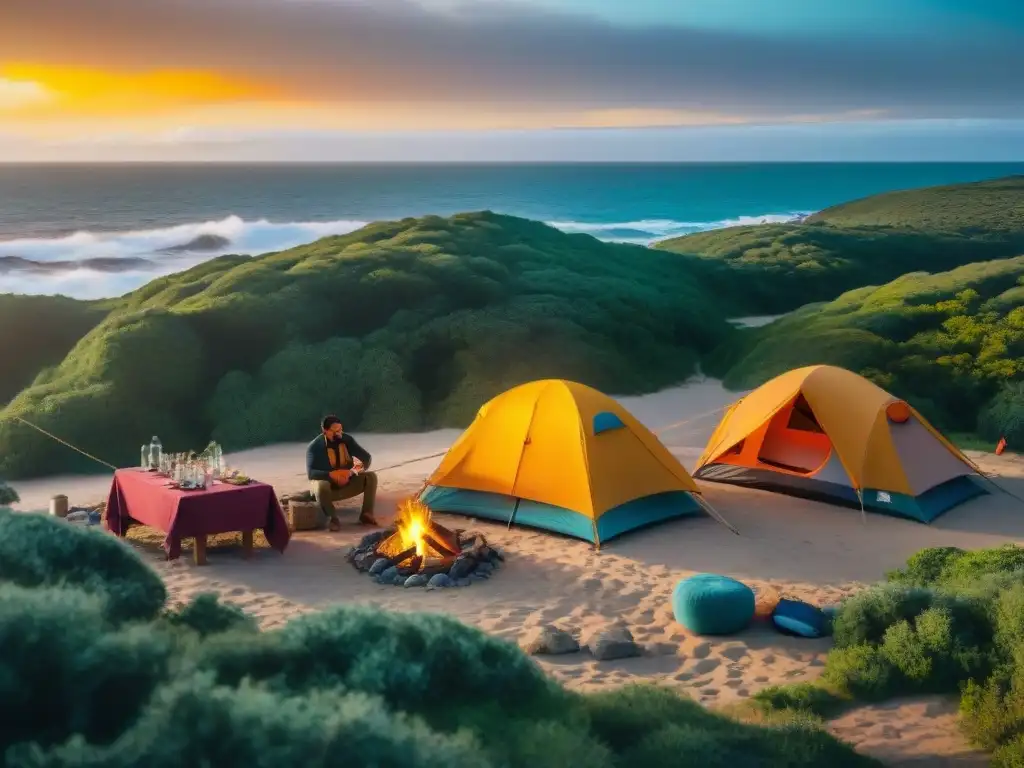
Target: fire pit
<point x="419" y="552"/>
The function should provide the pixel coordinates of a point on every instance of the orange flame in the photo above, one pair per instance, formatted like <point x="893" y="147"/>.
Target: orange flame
<point x="413" y="522"/>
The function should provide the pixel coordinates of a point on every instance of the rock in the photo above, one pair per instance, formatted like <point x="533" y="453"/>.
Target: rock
<point x="364" y="560"/>
<point x="198" y="244"/>
<point x="480" y="576"/>
<point x="495" y="556"/>
<point x="387" y="576"/>
<point x="371" y="540"/>
<point x="463" y="582"/>
<point x="462" y="567"/>
<point x="484" y="568"/>
<point x="548" y="639"/>
<point x="380" y="564"/>
<point x="614" y="643"/>
<point x="416" y="580"/>
<point x="439" y="581"/>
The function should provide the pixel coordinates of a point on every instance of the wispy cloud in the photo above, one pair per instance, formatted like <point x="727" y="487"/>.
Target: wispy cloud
<point x="521" y="57"/>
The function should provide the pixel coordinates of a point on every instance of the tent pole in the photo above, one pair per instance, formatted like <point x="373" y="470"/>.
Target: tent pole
<point x="513" y="515"/>
<point x="863" y="514"/>
<point x="713" y="512"/>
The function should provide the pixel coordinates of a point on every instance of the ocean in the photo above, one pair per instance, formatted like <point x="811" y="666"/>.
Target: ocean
<point x="94" y="231"/>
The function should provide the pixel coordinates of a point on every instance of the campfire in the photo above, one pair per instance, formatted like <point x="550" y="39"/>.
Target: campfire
<point x="418" y="551"/>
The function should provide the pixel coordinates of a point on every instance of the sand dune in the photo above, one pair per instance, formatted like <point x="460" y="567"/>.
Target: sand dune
<point x="802" y="548"/>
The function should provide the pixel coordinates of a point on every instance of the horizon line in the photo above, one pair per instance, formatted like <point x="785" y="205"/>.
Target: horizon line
<point x="52" y="163"/>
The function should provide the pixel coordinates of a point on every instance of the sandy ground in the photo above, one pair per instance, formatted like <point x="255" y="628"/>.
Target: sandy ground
<point x="804" y="549"/>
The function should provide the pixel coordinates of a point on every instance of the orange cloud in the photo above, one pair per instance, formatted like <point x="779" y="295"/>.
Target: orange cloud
<point x="74" y="91"/>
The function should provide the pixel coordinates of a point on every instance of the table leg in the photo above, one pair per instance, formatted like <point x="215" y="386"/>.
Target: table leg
<point x="246" y="544"/>
<point x="200" y="550"/>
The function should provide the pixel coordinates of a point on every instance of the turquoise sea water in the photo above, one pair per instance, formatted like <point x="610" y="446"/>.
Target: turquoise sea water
<point x="53" y="215"/>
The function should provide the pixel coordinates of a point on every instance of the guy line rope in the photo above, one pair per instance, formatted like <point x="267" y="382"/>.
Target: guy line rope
<point x="383" y="469"/>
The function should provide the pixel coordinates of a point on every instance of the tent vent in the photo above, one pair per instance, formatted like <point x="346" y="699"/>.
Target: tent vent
<point x="606" y="421"/>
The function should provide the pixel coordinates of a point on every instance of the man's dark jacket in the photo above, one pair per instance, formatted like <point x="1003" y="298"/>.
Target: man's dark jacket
<point x="318" y="464"/>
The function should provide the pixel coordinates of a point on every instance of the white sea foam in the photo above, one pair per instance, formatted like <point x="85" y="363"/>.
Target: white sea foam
<point x="647" y="231"/>
<point x="253" y="238"/>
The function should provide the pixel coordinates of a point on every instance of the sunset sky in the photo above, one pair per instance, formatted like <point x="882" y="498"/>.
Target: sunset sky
<point x="500" y="79"/>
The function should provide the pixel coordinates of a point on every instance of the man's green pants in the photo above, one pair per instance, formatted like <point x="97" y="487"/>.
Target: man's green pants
<point x="364" y="483"/>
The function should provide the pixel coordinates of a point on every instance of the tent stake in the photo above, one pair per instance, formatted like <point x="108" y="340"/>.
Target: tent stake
<point x="863" y="514"/>
<point x="513" y="515"/>
<point x="714" y="512"/>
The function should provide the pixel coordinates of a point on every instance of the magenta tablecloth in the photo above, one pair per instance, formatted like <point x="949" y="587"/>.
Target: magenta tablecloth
<point x="145" y="498"/>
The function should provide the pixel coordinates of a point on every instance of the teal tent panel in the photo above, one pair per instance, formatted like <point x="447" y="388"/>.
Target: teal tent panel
<point x="622" y="519"/>
<point x="924" y="508"/>
<point x="929" y="505"/>
<point x="646" y="511"/>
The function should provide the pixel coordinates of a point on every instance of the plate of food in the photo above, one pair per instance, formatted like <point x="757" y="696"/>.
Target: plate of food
<point x="236" y="479"/>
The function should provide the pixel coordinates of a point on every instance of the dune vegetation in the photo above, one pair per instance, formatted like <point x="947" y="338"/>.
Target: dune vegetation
<point x="951" y="343"/>
<point x="99" y="670"/>
<point x="37" y="332"/>
<point x="414" y="324"/>
<point x="400" y="326"/>
<point x="775" y="268"/>
<point x="950" y="622"/>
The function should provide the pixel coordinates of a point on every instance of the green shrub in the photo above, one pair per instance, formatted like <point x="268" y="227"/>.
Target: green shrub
<point x="200" y="684"/>
<point x="206" y="615"/>
<point x="861" y="671"/>
<point x="66" y="670"/>
<point x="647" y="725"/>
<point x="410" y="660"/>
<point x="38" y="550"/>
<point x="1004" y="416"/>
<point x="7" y="495"/>
<point x="808" y="698"/>
<point x="1009" y="755"/>
<point x="946" y="566"/>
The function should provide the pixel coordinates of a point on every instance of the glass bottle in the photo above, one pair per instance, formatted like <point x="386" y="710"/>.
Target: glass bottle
<point x="144" y="462"/>
<point x="155" y="452"/>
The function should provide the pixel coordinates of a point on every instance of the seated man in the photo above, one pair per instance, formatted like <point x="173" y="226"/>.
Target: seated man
<point x="334" y="476"/>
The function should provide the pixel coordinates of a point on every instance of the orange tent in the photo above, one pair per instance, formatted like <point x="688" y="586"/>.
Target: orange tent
<point x="826" y="432"/>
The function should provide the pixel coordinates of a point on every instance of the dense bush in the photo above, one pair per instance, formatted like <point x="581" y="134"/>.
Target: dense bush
<point x="81" y="687"/>
<point x="950" y="343"/>
<point x="37" y="332"/>
<point x="7" y="495"/>
<point x="950" y="622"/>
<point x="402" y="325"/>
<point x="1004" y="417"/>
<point x="778" y="267"/>
<point x="39" y="550"/>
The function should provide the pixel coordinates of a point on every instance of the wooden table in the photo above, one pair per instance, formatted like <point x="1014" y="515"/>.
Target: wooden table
<point x="141" y="497"/>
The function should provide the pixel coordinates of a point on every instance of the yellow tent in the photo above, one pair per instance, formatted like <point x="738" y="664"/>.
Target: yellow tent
<point x="561" y="456"/>
<point x="826" y="432"/>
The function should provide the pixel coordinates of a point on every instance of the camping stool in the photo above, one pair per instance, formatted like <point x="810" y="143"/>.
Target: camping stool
<point x="305" y="516"/>
<point x="708" y="604"/>
<point x="766" y="597"/>
<point x="59" y="506"/>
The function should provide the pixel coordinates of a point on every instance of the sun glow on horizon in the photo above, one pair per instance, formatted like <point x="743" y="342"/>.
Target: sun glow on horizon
<point x="50" y="91"/>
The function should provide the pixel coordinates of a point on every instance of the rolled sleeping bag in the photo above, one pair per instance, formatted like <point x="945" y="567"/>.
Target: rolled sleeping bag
<point x="799" y="619"/>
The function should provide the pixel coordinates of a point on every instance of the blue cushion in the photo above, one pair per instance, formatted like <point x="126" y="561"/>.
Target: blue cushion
<point x="795" y="617"/>
<point x="713" y="605"/>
